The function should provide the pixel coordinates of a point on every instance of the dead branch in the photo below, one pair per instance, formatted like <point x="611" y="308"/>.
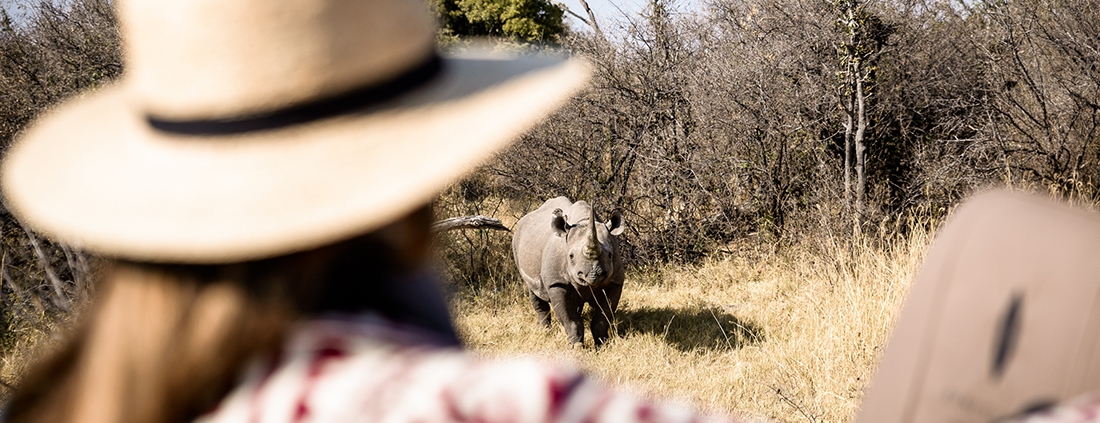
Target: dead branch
<point x="62" y="300"/>
<point x="575" y="15"/>
<point x="468" y="222"/>
<point x="591" y="21"/>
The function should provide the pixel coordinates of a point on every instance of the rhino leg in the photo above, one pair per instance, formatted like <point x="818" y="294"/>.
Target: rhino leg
<point x="604" y="303"/>
<point x="542" y="308"/>
<point x="567" y="308"/>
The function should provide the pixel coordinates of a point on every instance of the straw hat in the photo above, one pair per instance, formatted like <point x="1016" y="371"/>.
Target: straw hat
<point x="245" y="129"/>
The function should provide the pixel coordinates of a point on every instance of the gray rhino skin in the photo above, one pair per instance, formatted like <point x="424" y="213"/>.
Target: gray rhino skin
<point x="564" y="267"/>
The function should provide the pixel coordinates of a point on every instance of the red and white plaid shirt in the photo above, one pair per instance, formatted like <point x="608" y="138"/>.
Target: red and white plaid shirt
<point x="375" y="371"/>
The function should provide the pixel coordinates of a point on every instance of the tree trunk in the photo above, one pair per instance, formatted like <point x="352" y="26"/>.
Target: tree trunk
<point x="849" y="152"/>
<point x="860" y="147"/>
<point x="849" y="106"/>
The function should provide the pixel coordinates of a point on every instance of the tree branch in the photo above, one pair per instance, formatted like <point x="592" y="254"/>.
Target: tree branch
<point x="468" y="222"/>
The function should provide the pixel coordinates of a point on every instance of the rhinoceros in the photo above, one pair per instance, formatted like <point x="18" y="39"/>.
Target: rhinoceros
<point x="567" y="258"/>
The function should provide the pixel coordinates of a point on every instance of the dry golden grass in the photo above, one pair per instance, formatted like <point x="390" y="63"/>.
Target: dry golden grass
<point x="792" y="335"/>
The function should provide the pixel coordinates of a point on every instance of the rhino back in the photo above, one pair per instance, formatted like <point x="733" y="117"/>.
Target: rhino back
<point x="530" y="240"/>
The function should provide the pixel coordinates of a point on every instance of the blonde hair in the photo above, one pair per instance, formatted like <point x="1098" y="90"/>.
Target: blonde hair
<point x="167" y="342"/>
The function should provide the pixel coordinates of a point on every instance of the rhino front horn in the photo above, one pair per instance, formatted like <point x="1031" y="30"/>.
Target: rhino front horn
<point x="593" y="250"/>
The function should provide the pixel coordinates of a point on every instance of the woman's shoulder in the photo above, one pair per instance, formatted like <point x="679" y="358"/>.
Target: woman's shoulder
<point x="372" y="370"/>
<point x="344" y="369"/>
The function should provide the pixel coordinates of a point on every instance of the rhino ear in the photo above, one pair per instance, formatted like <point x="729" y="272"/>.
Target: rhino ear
<point x="615" y="224"/>
<point x="558" y="223"/>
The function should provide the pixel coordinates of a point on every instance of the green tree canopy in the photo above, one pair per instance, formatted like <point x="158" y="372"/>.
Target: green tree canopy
<point x="520" y="20"/>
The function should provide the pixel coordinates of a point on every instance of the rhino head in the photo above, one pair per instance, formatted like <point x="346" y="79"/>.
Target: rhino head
<point x="590" y="248"/>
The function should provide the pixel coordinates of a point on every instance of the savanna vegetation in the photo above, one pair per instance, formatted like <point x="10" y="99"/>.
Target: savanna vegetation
<point x="782" y="166"/>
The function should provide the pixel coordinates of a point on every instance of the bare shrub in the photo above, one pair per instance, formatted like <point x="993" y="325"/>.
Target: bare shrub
<point x="55" y="50"/>
<point x="476" y="258"/>
<point x="701" y="129"/>
<point x="710" y="127"/>
<point x="1045" y="91"/>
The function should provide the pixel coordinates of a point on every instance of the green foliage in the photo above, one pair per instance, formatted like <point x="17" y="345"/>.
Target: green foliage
<point x="867" y="33"/>
<point x="531" y="21"/>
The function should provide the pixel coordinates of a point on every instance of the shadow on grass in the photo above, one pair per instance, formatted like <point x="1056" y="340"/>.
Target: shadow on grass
<point x="689" y="329"/>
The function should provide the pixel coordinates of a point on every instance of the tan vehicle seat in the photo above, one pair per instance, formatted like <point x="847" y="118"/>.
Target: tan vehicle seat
<point x="1004" y="317"/>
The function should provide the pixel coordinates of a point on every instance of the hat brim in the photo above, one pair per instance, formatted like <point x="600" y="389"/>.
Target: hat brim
<point x="94" y="174"/>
